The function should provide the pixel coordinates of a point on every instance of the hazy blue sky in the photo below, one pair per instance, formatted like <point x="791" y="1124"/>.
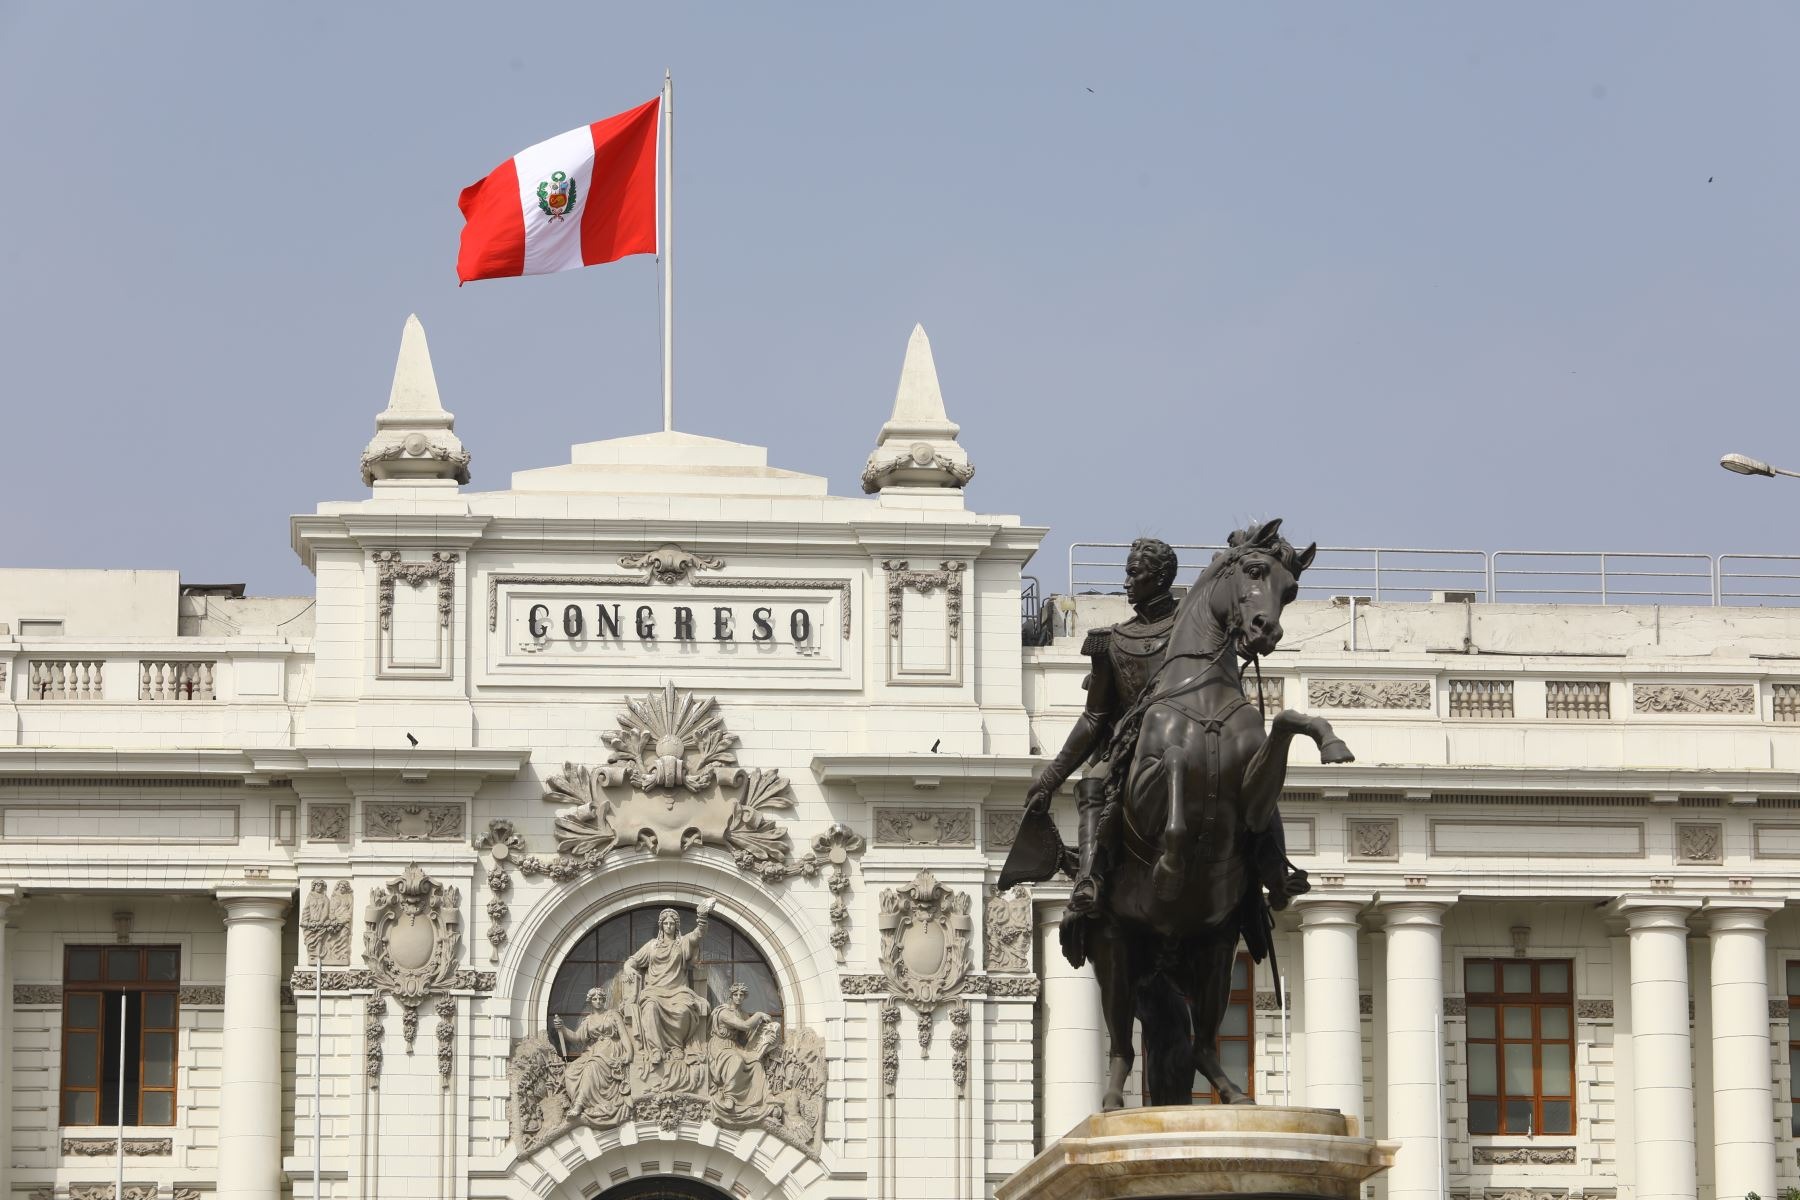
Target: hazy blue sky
<point x="1407" y="274"/>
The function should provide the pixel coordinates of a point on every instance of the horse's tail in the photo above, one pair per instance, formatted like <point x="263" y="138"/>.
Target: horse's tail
<point x="1168" y="1040"/>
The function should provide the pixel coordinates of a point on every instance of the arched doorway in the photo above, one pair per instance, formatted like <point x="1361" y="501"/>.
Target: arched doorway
<point x="662" y="1189"/>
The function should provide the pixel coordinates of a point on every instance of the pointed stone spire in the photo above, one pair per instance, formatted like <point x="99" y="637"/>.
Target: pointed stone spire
<point x="917" y="447"/>
<point x="414" y="444"/>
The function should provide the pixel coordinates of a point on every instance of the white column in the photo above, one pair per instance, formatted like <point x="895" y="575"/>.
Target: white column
<point x="1074" y="1063"/>
<point x="1330" y="999"/>
<point x="9" y="896"/>
<point x="1624" y="1076"/>
<point x="1415" y="1047"/>
<point x="1661" y="1050"/>
<point x="250" y="1073"/>
<point x="1743" y="1089"/>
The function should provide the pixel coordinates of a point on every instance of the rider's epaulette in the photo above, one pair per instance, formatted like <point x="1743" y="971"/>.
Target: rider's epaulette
<point x="1096" y="642"/>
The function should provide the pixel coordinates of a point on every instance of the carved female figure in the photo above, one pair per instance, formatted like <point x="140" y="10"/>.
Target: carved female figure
<point x="598" y="1082"/>
<point x="740" y="1041"/>
<point x="671" y="1016"/>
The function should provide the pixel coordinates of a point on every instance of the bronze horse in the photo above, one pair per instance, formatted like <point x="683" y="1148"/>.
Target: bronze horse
<point x="1203" y="779"/>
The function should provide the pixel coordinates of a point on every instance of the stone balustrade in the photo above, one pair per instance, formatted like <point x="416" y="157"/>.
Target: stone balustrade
<point x="175" y="681"/>
<point x="66" y="679"/>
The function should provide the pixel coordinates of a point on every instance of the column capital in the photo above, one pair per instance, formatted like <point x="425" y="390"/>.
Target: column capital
<point x="1413" y="908"/>
<point x="1726" y="914"/>
<point x="252" y="902"/>
<point x="10" y="894"/>
<point x="1320" y="909"/>
<point x="1642" y="911"/>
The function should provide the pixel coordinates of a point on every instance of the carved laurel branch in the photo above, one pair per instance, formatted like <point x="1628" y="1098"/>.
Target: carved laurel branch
<point x="389" y="570"/>
<point x="301" y="981"/>
<point x="948" y="576"/>
<point x="1369" y="693"/>
<point x="1694" y="698"/>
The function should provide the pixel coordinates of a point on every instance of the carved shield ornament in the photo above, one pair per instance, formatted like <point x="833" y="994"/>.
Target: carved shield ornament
<point x="412" y="936"/>
<point x="925" y="929"/>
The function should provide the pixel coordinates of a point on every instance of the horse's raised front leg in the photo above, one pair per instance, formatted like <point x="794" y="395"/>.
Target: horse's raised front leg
<point x="1170" y="872"/>
<point x="1267" y="770"/>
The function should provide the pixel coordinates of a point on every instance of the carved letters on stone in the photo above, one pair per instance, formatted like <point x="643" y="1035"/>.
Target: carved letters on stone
<point x="327" y="822"/>
<point x="1368" y="693"/>
<point x="1377" y="840"/>
<point x="925" y="931"/>
<point x="1523" y="1156"/>
<point x="1694" y="698"/>
<point x="948" y="576"/>
<point x="385" y="821"/>
<point x="325" y="923"/>
<point x="947" y="827"/>
<point x="389" y="569"/>
<point x="673" y="752"/>
<point x="1700" y="842"/>
<point x="1008" y="930"/>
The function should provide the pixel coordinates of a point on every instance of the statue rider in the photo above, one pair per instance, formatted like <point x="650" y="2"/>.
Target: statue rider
<point x="1124" y="658"/>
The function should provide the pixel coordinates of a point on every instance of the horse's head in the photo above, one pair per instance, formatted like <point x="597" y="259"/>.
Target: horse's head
<point x="1254" y="580"/>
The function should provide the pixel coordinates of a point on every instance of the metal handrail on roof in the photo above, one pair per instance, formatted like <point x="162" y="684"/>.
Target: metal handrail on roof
<point x="1398" y="573"/>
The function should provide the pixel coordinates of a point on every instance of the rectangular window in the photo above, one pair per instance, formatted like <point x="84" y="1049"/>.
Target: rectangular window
<point x="1521" y="1042"/>
<point x="109" y="990"/>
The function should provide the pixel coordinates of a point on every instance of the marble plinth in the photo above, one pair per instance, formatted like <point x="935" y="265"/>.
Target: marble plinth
<point x="1242" y="1150"/>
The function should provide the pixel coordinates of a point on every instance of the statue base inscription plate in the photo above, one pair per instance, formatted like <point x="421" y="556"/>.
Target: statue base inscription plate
<point x="1174" y="1153"/>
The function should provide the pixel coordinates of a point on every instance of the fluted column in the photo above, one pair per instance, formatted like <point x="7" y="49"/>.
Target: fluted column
<point x="1415" y="1044"/>
<point x="1743" y="1090"/>
<point x="1074" y="1063"/>
<point x="250" y="1073"/>
<point x="1331" y="1002"/>
<point x="1661" y="1049"/>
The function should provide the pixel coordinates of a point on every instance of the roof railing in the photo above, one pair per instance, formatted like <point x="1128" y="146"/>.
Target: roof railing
<point x="1399" y="573"/>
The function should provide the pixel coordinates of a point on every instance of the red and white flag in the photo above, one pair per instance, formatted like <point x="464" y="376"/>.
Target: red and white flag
<point x="585" y="197"/>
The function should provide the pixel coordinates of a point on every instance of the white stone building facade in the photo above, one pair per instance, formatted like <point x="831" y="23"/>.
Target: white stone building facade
<point x="294" y="887"/>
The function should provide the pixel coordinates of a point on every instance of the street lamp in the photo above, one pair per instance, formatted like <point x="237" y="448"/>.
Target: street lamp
<point x="1743" y="464"/>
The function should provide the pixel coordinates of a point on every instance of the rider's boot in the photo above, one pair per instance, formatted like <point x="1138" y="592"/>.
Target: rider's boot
<point x="1090" y="798"/>
<point x="1278" y="874"/>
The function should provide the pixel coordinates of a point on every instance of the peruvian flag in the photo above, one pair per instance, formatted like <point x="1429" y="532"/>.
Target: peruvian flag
<point x="587" y="196"/>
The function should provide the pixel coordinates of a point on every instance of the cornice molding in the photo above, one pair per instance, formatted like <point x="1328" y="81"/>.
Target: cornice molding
<point x="920" y="769"/>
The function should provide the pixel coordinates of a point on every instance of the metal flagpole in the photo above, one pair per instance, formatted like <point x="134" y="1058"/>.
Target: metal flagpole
<point x="668" y="252"/>
<point x="318" y="1048"/>
<point x="119" y="1180"/>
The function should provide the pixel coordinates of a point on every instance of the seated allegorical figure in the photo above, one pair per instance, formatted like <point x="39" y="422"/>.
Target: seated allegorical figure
<point x="598" y="1083"/>
<point x="671" y="1016"/>
<point x="740" y="1041"/>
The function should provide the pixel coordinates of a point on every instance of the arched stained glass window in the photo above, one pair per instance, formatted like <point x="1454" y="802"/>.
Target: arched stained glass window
<point x="727" y="956"/>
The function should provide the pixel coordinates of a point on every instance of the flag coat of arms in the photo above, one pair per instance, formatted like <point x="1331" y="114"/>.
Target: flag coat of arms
<point x="584" y="197"/>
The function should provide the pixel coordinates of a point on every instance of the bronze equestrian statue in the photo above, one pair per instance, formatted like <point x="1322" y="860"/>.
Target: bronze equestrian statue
<point x="1182" y="836"/>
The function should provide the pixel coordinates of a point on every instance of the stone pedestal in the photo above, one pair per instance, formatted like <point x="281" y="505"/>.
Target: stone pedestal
<point x="1252" y="1151"/>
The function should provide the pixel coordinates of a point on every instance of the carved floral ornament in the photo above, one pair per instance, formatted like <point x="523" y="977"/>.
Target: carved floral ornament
<point x="1694" y="698"/>
<point x="670" y="563"/>
<point x="674" y="766"/>
<point x="948" y="576"/>
<point x="389" y="570"/>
